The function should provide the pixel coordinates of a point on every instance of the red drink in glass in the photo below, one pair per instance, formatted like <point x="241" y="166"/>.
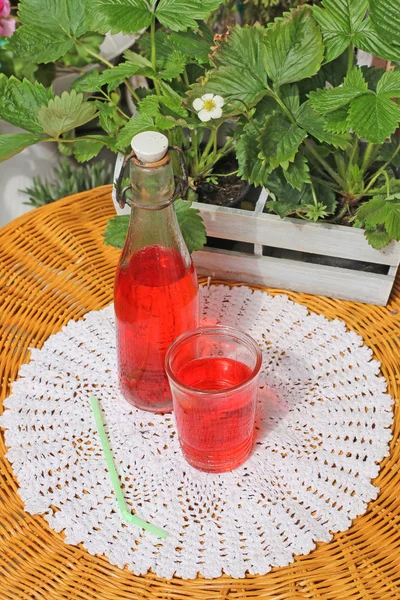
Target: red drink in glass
<point x="156" y="300"/>
<point x="213" y="374"/>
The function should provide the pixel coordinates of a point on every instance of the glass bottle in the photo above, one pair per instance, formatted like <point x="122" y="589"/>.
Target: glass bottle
<point x="156" y="295"/>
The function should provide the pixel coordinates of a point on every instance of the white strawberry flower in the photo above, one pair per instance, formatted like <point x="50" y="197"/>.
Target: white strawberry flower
<point x="209" y="107"/>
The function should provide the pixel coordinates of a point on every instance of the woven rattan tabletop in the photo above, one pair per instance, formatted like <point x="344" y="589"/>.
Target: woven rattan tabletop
<point x="54" y="267"/>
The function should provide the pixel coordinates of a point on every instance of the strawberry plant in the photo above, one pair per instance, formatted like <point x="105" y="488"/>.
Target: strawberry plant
<point x="322" y="132"/>
<point x="311" y="126"/>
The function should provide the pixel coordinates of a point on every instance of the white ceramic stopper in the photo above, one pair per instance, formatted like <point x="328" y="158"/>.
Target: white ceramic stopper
<point x="150" y="146"/>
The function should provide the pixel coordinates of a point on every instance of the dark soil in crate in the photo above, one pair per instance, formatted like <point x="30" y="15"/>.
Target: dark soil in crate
<point x="229" y="191"/>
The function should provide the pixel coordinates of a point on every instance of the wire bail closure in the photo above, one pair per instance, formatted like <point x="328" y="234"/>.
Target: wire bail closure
<point x="181" y="184"/>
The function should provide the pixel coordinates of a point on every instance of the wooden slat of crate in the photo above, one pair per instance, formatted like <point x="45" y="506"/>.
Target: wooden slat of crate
<point x="294" y="234"/>
<point x="347" y="284"/>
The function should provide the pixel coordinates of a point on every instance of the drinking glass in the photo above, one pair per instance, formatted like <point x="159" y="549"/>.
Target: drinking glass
<point x="213" y="373"/>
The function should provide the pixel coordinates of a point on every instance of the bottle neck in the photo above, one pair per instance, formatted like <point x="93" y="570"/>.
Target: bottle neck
<point x="153" y="186"/>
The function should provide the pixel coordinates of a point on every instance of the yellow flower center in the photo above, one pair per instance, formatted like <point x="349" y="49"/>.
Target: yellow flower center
<point x="209" y="105"/>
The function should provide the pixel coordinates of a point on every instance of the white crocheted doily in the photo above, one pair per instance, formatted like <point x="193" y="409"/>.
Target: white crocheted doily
<point x="324" y="426"/>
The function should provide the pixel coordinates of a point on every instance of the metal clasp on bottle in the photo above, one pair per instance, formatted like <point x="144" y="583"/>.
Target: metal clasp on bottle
<point x="181" y="184"/>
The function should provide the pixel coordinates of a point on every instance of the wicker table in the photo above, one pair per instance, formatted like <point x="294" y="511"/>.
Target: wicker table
<point x="54" y="267"/>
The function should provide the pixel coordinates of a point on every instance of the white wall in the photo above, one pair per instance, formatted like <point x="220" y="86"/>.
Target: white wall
<point x="17" y="173"/>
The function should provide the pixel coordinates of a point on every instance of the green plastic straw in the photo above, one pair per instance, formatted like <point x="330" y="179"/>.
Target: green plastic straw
<point x="126" y="514"/>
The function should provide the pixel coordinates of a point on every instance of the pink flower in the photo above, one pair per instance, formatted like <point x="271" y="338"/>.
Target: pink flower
<point x="5" y="8"/>
<point x="7" y="24"/>
<point x="7" y="27"/>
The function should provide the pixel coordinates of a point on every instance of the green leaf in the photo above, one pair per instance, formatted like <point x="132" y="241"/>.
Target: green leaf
<point x="164" y="111"/>
<point x="109" y="118"/>
<point x="378" y="237"/>
<point x="126" y="16"/>
<point x="48" y="28"/>
<point x="333" y="73"/>
<point x="385" y="16"/>
<point x="287" y="199"/>
<point x="384" y="212"/>
<point x="41" y="46"/>
<point x="330" y="99"/>
<point x="392" y="221"/>
<point x="243" y="45"/>
<point x="355" y="179"/>
<point x="137" y="59"/>
<point x="172" y="105"/>
<point x="372" y="76"/>
<point x="189" y="220"/>
<point x="149" y="106"/>
<point x="241" y="67"/>
<point x="87" y="149"/>
<point x="65" y="112"/>
<point x="130" y="16"/>
<point x="283" y="208"/>
<point x="164" y="123"/>
<point x="20" y="102"/>
<point x="265" y="108"/>
<point x="298" y="172"/>
<point x="291" y="97"/>
<point x="316" y="126"/>
<point x="251" y="167"/>
<point x="315" y="211"/>
<point x="115" y="76"/>
<point x="373" y="212"/>
<point x="338" y="121"/>
<point x="225" y="82"/>
<point x="369" y="40"/>
<point x="170" y="62"/>
<point x="136" y="125"/>
<point x="326" y="196"/>
<point x="343" y="22"/>
<point x="88" y="82"/>
<point x="168" y="92"/>
<point x="13" y="143"/>
<point x="389" y="84"/>
<point x="192" y="44"/>
<point x="374" y="117"/>
<point x="382" y="192"/>
<point x="164" y="47"/>
<point x="57" y="15"/>
<point x="163" y="106"/>
<point x="294" y="47"/>
<point x="191" y="224"/>
<point x="355" y="80"/>
<point x="116" y="230"/>
<point x="280" y="140"/>
<point x="387" y="151"/>
<point x="180" y="15"/>
<point x="174" y="65"/>
<point x="290" y="200"/>
<point x="339" y="21"/>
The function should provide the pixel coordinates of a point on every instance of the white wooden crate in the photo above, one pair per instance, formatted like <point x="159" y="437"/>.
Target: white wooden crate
<point x="328" y="240"/>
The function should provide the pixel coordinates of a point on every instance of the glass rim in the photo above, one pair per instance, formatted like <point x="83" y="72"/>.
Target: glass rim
<point x="217" y="329"/>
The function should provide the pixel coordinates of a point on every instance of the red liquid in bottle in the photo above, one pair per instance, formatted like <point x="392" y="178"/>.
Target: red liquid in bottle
<point x="156" y="300"/>
<point x="216" y="433"/>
